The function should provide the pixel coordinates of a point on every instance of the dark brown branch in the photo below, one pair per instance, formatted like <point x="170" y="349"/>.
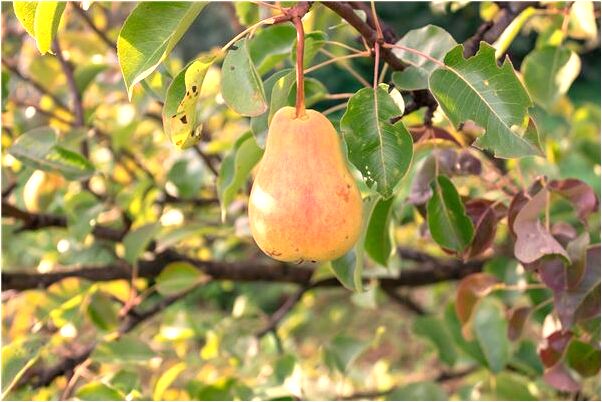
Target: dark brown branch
<point x="44" y="376"/>
<point x="442" y="377"/>
<point x="101" y="34"/>
<point x="78" y="108"/>
<point x="346" y="11"/>
<point x="33" y="221"/>
<point x="405" y="301"/>
<point x="490" y="31"/>
<point x="206" y="160"/>
<point x="244" y="271"/>
<point x="282" y="311"/>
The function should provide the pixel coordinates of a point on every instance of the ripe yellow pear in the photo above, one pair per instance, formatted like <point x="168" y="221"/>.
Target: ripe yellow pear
<point x="304" y="205"/>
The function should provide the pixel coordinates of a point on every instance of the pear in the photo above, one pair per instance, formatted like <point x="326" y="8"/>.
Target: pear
<point x="304" y="205"/>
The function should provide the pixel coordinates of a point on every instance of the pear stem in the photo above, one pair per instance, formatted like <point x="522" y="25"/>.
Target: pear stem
<point x="300" y="100"/>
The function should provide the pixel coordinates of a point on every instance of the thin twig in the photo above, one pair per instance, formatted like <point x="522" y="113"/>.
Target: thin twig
<point x="335" y="60"/>
<point x="279" y="315"/>
<point x="34" y="83"/>
<point x="348" y="68"/>
<point x="101" y="34"/>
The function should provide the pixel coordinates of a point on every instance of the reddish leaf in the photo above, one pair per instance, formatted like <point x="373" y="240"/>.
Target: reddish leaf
<point x="517" y="322"/>
<point x="577" y="250"/>
<point x="421" y="133"/>
<point x="519" y="201"/>
<point x="553" y="347"/>
<point x="563" y="232"/>
<point x="581" y="302"/>
<point x="561" y="378"/>
<point x="581" y="195"/>
<point x="552" y="272"/>
<point x="450" y="162"/>
<point x="533" y="240"/>
<point x="468" y="164"/>
<point x="470" y="290"/>
<point x="485" y="215"/>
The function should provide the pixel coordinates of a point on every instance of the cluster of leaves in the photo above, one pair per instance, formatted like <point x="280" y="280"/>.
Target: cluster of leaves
<point x="431" y="180"/>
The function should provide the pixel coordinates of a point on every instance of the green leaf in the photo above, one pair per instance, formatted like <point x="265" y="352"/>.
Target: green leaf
<point x="454" y="327"/>
<point x="313" y="43"/>
<point x="38" y="148"/>
<point x="241" y="84"/>
<point x="136" y="241"/>
<point x="235" y="169"/>
<point x="583" y="358"/>
<point x="166" y="379"/>
<point x="379" y="242"/>
<point x="149" y="34"/>
<point x="431" y="40"/>
<point x="349" y="268"/>
<point x="342" y="351"/>
<point x="85" y="75"/>
<point x="4" y="87"/>
<point x="448" y="223"/>
<point x="280" y="94"/>
<point x="46" y="23"/>
<point x="549" y="73"/>
<point x="476" y="89"/>
<point x="247" y="12"/>
<point x="181" y="101"/>
<point x="187" y="175"/>
<point x="410" y="79"/>
<point x="17" y="357"/>
<point x="125" y="381"/>
<point x="490" y="328"/>
<point x="380" y="150"/>
<point x="127" y="349"/>
<point x="259" y="124"/>
<point x="433" y="329"/>
<point x="25" y="11"/>
<point x="419" y="391"/>
<point x="271" y="45"/>
<point x="284" y="367"/>
<point x="513" y="387"/>
<point x="178" y="277"/>
<point x="97" y="391"/>
<point x="102" y="312"/>
<point x="81" y="209"/>
<point x="314" y="91"/>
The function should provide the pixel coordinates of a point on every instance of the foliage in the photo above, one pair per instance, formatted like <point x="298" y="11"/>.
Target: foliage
<point x="129" y="271"/>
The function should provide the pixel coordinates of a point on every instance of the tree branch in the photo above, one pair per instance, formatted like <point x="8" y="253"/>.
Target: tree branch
<point x="45" y="376"/>
<point x="33" y="221"/>
<point x="405" y="301"/>
<point x="244" y="271"/>
<point x="39" y="87"/>
<point x="489" y="31"/>
<point x="282" y="311"/>
<point x="101" y="34"/>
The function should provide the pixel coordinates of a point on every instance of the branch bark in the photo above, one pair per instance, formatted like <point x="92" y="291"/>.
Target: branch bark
<point x="489" y="31"/>
<point x="245" y="271"/>
<point x="39" y="221"/>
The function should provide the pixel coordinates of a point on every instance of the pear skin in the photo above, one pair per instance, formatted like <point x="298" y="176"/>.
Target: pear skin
<point x="304" y="205"/>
